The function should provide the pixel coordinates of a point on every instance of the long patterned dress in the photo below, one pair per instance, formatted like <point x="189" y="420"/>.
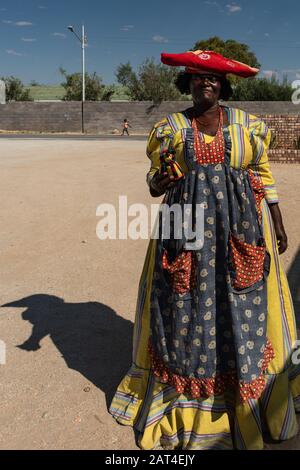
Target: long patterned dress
<point x="215" y="326"/>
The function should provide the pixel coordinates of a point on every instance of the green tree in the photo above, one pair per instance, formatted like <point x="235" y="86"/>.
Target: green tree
<point x="125" y="75"/>
<point x="15" y="90"/>
<point x="34" y="83"/>
<point x="95" y="90"/>
<point x="128" y="79"/>
<point x="262" y="89"/>
<point x="231" y="49"/>
<point x="152" y="82"/>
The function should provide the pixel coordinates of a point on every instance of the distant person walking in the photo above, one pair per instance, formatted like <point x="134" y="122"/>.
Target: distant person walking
<point x="126" y="125"/>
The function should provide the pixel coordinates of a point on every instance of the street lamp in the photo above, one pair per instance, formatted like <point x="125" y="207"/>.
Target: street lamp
<point x="83" y="42"/>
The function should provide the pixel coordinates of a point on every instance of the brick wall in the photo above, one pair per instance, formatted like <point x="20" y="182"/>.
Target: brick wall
<point x="286" y="129"/>
<point x="284" y="156"/>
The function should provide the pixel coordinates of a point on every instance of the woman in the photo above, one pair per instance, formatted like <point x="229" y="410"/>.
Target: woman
<point x="215" y="325"/>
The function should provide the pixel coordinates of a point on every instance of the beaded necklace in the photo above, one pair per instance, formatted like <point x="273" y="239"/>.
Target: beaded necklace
<point x="211" y="152"/>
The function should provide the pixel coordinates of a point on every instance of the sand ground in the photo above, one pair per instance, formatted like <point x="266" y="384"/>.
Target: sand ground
<point x="68" y="326"/>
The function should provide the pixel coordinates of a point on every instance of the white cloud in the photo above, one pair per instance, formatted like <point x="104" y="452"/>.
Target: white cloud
<point x="267" y="35"/>
<point x="291" y="70"/>
<point x="58" y="35"/>
<point x="216" y="5"/>
<point x="127" y="27"/>
<point x="233" y="8"/>
<point x="292" y="73"/>
<point x="23" y="23"/>
<point x="28" y="39"/>
<point x="212" y="4"/>
<point x="160" y="39"/>
<point x="269" y="73"/>
<point x="13" y="52"/>
<point x="18" y="23"/>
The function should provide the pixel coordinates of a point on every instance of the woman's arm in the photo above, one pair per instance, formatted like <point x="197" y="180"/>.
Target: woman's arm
<point x="260" y="137"/>
<point x="279" y="228"/>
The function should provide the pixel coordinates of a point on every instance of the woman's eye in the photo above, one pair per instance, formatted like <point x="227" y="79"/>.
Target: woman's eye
<point x="203" y="78"/>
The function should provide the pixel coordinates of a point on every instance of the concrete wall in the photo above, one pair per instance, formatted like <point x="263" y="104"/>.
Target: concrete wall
<point x="283" y="118"/>
<point x="104" y="117"/>
<point x="41" y="117"/>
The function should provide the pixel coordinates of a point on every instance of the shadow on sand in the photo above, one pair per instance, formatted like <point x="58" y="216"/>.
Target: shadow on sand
<point x="91" y="337"/>
<point x="294" y="283"/>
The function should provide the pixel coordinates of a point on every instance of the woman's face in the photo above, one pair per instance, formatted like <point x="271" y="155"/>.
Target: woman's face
<point x="205" y="87"/>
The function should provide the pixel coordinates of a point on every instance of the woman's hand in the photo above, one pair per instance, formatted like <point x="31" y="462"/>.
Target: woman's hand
<point x="160" y="183"/>
<point x="281" y="239"/>
<point x="281" y="236"/>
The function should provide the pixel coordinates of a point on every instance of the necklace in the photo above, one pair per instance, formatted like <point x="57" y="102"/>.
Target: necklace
<point x="211" y="152"/>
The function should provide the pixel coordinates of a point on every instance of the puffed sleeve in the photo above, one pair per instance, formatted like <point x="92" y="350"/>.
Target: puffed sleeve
<point x="158" y="140"/>
<point x="260" y="137"/>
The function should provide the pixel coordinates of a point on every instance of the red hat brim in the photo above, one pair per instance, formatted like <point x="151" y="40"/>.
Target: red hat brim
<point x="209" y="60"/>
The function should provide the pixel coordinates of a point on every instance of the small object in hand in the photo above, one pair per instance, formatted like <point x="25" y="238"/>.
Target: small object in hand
<point x="169" y="165"/>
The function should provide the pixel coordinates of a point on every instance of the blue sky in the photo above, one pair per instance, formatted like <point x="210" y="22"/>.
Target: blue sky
<point x="35" y="42"/>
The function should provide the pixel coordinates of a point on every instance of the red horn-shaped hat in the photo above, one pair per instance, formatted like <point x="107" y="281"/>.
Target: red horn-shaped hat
<point x="195" y="61"/>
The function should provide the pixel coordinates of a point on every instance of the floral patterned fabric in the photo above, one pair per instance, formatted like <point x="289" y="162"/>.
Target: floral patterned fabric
<point x="213" y="330"/>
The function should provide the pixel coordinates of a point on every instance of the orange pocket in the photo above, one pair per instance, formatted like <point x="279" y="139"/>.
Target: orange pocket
<point x="246" y="263"/>
<point x="182" y="271"/>
<point x="258" y="191"/>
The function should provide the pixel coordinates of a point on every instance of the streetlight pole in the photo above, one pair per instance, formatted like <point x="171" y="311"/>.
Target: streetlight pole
<point x="83" y="41"/>
<point x="83" y="63"/>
